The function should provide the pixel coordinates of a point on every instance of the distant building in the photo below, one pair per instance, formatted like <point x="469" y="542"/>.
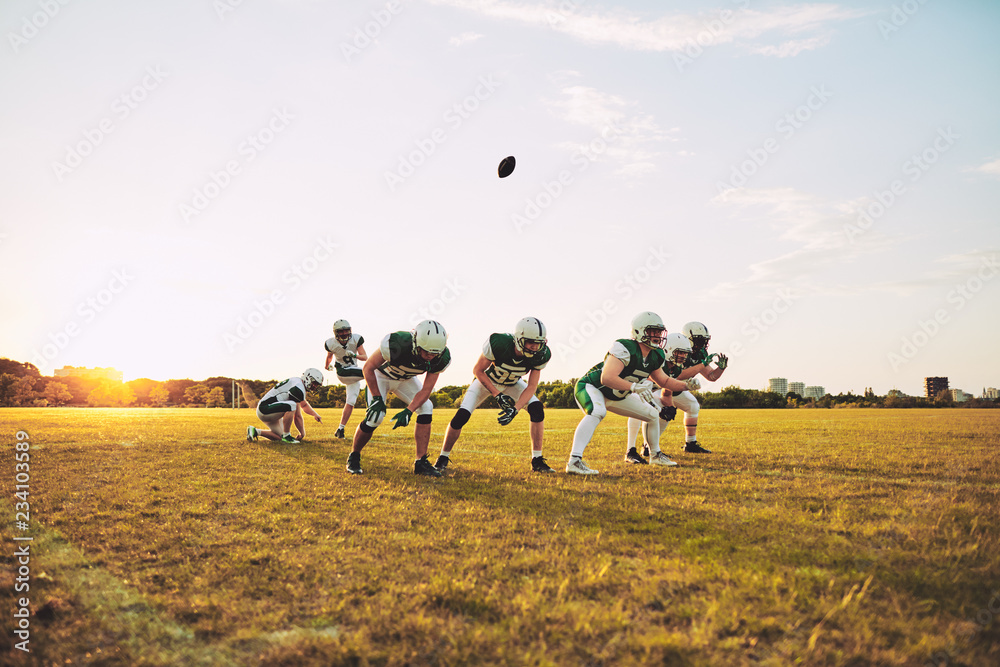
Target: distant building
<point x="960" y="396"/>
<point x="96" y="373"/>
<point x="991" y="392"/>
<point x="778" y="385"/>
<point x="797" y="388"/>
<point x="934" y="386"/>
<point x="814" y="391"/>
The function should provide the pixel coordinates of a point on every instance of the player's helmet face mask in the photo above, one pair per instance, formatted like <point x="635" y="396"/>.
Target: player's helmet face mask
<point x="648" y="328"/>
<point x="429" y="340"/>
<point x="697" y="333"/>
<point x="678" y="348"/>
<point x="342" y="331"/>
<point x="312" y="378"/>
<point x="529" y="337"/>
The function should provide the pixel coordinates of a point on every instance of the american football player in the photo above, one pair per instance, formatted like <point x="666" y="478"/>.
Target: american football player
<point x="623" y="383"/>
<point x="500" y="372"/>
<point x="283" y="404"/>
<point x="346" y="349"/>
<point x="393" y="368"/>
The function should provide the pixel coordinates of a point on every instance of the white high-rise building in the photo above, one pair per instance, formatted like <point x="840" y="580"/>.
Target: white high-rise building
<point x="814" y="391"/>
<point x="797" y="388"/>
<point x="960" y="396"/>
<point x="991" y="392"/>
<point x="778" y="385"/>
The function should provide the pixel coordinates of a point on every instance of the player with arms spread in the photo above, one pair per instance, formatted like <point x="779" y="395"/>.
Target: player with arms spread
<point x="283" y="404"/>
<point x="345" y="349"/>
<point x="623" y="384"/>
<point x="696" y="363"/>
<point x="393" y="368"/>
<point x="500" y="372"/>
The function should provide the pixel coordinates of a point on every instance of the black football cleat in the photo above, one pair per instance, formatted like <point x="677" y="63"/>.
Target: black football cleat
<point x="423" y="467"/>
<point x="538" y="464"/>
<point x="354" y="463"/>
<point x="633" y="457"/>
<point x="694" y="448"/>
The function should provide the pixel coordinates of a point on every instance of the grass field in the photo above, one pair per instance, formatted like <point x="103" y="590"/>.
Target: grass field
<point x="809" y="537"/>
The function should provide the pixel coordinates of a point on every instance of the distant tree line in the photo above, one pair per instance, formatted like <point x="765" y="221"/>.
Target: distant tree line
<point x="21" y="384"/>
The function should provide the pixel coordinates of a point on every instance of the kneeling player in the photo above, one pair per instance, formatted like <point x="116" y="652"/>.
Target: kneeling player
<point x="499" y="372"/>
<point x="348" y="349"/>
<point x="283" y="404"/>
<point x="623" y="384"/>
<point x="393" y="368"/>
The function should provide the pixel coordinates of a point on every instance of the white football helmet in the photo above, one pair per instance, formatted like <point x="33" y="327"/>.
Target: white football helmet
<point x="529" y="329"/>
<point x="647" y="327"/>
<point x="342" y="331"/>
<point x="429" y="336"/>
<point x="697" y="333"/>
<point x="678" y="348"/>
<point x="312" y="378"/>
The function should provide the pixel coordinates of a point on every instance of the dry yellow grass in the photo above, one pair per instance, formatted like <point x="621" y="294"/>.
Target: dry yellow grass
<point x="814" y="537"/>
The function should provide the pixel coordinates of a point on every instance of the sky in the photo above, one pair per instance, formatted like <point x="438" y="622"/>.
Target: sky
<point x="202" y="187"/>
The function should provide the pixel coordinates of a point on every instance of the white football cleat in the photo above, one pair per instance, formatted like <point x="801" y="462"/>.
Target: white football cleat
<point x="576" y="466"/>
<point x="661" y="459"/>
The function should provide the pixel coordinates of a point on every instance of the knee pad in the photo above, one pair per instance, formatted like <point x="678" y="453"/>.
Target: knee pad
<point x="536" y="410"/>
<point x="424" y="419"/>
<point x="365" y="428"/>
<point x="460" y="419"/>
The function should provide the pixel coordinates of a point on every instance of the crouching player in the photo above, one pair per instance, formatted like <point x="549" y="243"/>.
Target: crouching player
<point x="283" y="404"/>
<point x="500" y="372"/>
<point x="623" y="384"/>
<point x="346" y="348"/>
<point x="393" y="368"/>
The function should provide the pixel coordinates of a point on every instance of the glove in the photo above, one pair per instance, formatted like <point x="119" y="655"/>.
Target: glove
<point x="401" y="418"/>
<point x="693" y="384"/>
<point x="376" y="410"/>
<point x="505" y="401"/>
<point x="643" y="390"/>
<point x="722" y="362"/>
<point x="667" y="413"/>
<point x="506" y="416"/>
<point x="709" y="358"/>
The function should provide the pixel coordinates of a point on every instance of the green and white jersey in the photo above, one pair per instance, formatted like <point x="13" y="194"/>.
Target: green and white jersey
<point x="291" y="389"/>
<point x="696" y="357"/>
<point x="345" y="356"/>
<point x="401" y="363"/>
<point x="507" y="368"/>
<point x="636" y="367"/>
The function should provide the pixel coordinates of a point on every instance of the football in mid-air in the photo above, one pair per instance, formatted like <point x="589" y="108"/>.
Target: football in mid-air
<point x="506" y="167"/>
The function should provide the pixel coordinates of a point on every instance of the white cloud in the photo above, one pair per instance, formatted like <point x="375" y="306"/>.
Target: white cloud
<point x="988" y="168"/>
<point x="464" y="38"/>
<point x="815" y="226"/>
<point x="616" y="129"/>
<point x="676" y="31"/>
<point x="791" y="48"/>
